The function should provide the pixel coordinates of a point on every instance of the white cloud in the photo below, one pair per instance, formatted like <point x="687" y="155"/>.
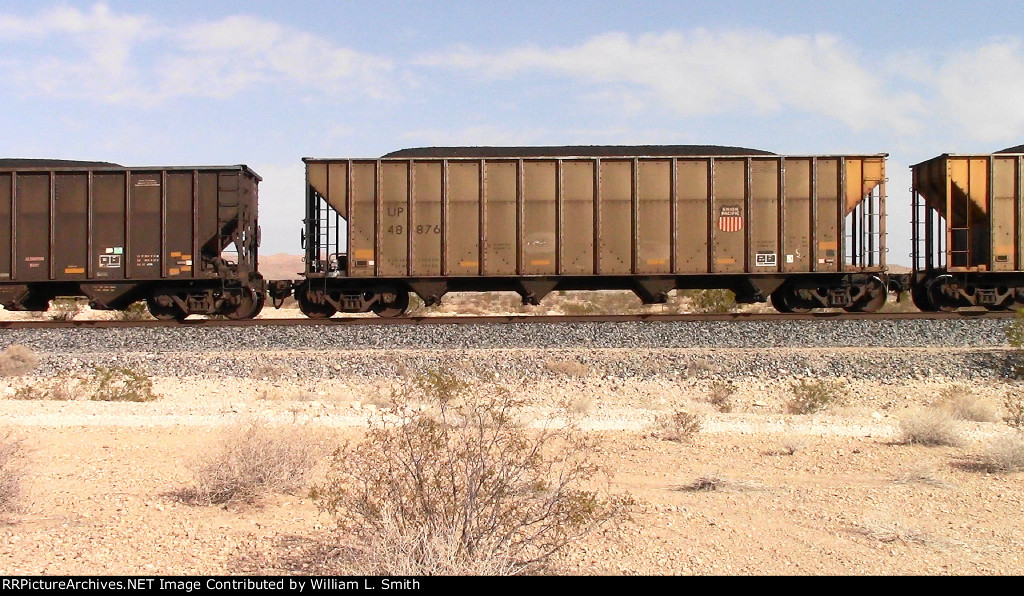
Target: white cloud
<point x="100" y="64"/>
<point x="704" y="72"/>
<point x="118" y="58"/>
<point x="982" y="91"/>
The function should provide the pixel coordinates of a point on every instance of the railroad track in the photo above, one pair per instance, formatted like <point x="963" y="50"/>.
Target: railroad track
<point x="512" y="319"/>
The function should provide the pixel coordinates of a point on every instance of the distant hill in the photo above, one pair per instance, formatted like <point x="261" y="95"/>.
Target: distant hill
<point x="281" y="266"/>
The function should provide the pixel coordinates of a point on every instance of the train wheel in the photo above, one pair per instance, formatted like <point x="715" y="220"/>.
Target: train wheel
<point x="316" y="311"/>
<point x="779" y="301"/>
<point x="248" y="307"/>
<point x="392" y="303"/>
<point x="164" y="313"/>
<point x="919" y="296"/>
<point x="935" y="294"/>
<point x="873" y="300"/>
<point x="785" y="300"/>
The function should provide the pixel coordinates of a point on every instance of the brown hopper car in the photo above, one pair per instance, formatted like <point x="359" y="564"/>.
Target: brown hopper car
<point x="802" y="231"/>
<point x="967" y="231"/>
<point x="183" y="239"/>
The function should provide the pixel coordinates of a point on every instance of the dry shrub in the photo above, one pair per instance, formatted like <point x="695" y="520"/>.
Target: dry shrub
<point x="718" y="482"/>
<point x="812" y="395"/>
<point x="569" y="368"/>
<point x="888" y="530"/>
<point x="12" y="455"/>
<point x="253" y="460"/>
<point x="53" y="389"/>
<point x="268" y="370"/>
<point x="679" y="427"/>
<point x="582" y="405"/>
<point x="698" y="368"/>
<point x="791" y="443"/>
<point x="600" y="303"/>
<point x="963" y="404"/>
<point x="1014" y="404"/>
<point x="458" y="486"/>
<point x="1004" y="454"/>
<point x="720" y="396"/>
<point x="921" y="473"/>
<point x="116" y="383"/>
<point x="930" y="426"/>
<point x="17" y="360"/>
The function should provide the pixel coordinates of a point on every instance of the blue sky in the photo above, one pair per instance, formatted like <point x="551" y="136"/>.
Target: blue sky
<point x="267" y="83"/>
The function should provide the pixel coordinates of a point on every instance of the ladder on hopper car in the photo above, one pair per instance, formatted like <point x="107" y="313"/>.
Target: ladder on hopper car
<point x="228" y="216"/>
<point x="959" y="232"/>
<point x="927" y="240"/>
<point x="864" y="224"/>
<point x="324" y="237"/>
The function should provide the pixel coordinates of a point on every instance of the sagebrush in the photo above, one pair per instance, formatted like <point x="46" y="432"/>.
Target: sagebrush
<point x="65" y="308"/>
<point x="451" y="483"/>
<point x="712" y="301"/>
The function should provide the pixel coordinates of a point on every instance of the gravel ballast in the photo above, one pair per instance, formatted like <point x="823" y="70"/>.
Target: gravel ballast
<point x="956" y="349"/>
<point x="632" y="335"/>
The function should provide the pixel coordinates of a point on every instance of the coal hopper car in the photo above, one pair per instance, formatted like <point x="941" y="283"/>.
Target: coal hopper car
<point x="184" y="239"/>
<point x="967" y="231"/>
<point x="805" y="232"/>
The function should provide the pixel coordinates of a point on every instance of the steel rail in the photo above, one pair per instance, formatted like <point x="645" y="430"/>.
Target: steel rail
<point x="515" y="319"/>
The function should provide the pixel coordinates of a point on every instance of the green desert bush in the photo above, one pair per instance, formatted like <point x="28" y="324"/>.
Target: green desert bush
<point x="812" y="395"/>
<point x="120" y="383"/>
<point x="136" y="311"/>
<point x="712" y="301"/>
<point x="65" y="309"/>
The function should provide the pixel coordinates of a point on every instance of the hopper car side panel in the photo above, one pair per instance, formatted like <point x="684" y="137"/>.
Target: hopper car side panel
<point x="810" y="226"/>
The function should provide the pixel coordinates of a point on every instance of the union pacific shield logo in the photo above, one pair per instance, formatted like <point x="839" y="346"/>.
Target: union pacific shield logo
<point x="730" y="219"/>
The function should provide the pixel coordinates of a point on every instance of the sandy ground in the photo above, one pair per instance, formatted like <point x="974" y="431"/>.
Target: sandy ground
<point x="830" y="493"/>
